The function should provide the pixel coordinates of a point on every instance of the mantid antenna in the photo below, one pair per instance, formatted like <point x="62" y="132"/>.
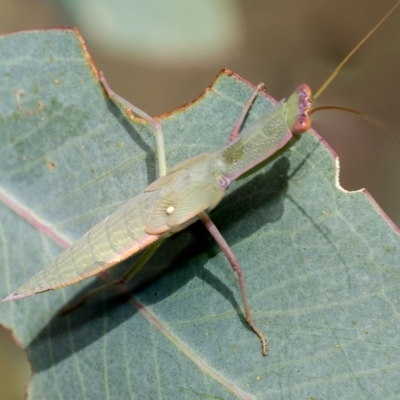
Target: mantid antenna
<point x="339" y="67"/>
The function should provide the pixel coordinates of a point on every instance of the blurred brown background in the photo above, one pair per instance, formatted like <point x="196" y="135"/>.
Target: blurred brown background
<point x="165" y="55"/>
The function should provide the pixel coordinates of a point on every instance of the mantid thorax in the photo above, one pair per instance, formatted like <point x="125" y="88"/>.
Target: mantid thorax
<point x="298" y="109"/>
<point x="267" y="135"/>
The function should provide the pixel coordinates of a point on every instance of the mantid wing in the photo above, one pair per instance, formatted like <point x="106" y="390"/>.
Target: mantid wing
<point x="190" y="188"/>
<point x="111" y="241"/>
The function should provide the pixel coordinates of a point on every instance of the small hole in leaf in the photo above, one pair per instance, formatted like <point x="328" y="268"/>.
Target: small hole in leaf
<point x="15" y="370"/>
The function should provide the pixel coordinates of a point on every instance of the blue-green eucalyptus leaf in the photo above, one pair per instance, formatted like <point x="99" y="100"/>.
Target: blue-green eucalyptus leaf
<point x="322" y="266"/>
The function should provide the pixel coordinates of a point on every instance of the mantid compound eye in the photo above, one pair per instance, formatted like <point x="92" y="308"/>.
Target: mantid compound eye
<point x="301" y="124"/>
<point x="303" y="120"/>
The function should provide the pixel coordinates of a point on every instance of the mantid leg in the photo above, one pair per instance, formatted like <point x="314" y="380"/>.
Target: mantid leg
<point x="162" y="170"/>
<point x="147" y="253"/>
<point x="162" y="162"/>
<point x="236" y="267"/>
<point x="235" y="131"/>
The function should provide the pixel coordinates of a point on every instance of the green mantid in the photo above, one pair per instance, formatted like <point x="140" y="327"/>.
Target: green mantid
<point x="179" y="197"/>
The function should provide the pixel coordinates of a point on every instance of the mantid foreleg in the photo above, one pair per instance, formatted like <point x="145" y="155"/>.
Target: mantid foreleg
<point x="235" y="131"/>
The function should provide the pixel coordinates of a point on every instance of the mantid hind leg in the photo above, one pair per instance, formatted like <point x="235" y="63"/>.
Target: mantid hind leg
<point x="147" y="253"/>
<point x="236" y="267"/>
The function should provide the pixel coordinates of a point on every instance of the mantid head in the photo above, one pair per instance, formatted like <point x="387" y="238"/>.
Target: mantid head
<point x="298" y="109"/>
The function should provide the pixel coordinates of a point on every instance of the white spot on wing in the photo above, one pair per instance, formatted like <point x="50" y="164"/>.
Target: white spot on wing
<point x="170" y="210"/>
